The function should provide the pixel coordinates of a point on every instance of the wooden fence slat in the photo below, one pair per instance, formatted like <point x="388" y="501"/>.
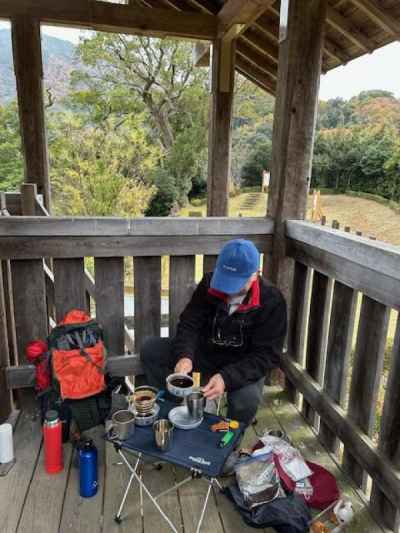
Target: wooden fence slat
<point x="298" y="318"/>
<point x="338" y="353"/>
<point x="6" y="403"/>
<point x="389" y="439"/>
<point x="29" y="298"/>
<point x="366" y="376"/>
<point x="317" y="334"/>
<point x="9" y="306"/>
<point x="69" y="285"/>
<point x="109" y="291"/>
<point x="147" y="291"/>
<point x="181" y="287"/>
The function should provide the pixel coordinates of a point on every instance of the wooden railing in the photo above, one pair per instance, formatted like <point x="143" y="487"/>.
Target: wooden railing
<point x="25" y="242"/>
<point x="337" y="277"/>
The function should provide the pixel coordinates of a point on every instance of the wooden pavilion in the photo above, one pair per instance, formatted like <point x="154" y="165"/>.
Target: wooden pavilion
<point x="327" y="274"/>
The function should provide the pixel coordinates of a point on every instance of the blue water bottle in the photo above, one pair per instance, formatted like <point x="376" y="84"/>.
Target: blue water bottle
<point x="87" y="469"/>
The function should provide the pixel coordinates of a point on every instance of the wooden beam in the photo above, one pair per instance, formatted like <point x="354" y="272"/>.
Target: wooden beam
<point x="201" y="55"/>
<point x="344" y="26"/>
<point x="27" y="53"/>
<point x="253" y="73"/>
<point x="294" y="123"/>
<point x="219" y="139"/>
<point x="104" y="16"/>
<point x="260" y="43"/>
<point x="331" y="48"/>
<point x="381" y="258"/>
<point x="241" y="12"/>
<point x="258" y="60"/>
<point x="381" y="17"/>
<point x="22" y="376"/>
<point x="125" y="227"/>
<point x="75" y="247"/>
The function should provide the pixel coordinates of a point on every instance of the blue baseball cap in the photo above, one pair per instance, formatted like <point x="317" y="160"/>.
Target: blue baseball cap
<point x="237" y="261"/>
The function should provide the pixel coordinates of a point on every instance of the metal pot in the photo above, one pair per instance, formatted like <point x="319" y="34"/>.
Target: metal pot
<point x="122" y="425"/>
<point x="179" y="390"/>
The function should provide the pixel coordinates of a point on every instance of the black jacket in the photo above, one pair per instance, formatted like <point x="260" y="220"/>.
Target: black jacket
<point x="241" y="346"/>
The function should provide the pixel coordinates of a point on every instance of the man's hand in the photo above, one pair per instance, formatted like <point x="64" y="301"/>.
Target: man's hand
<point x="214" y="388"/>
<point x="184" y="366"/>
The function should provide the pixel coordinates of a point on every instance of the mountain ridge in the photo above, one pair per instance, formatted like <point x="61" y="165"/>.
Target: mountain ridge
<point x="59" y="59"/>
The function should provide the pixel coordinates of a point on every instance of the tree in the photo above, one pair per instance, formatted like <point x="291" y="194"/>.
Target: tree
<point x="252" y="132"/>
<point x="11" y="162"/>
<point x="100" y="170"/>
<point x="126" y="75"/>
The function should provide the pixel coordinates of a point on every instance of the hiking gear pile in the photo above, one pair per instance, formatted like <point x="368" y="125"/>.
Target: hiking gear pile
<point x="275" y="486"/>
<point x="70" y="372"/>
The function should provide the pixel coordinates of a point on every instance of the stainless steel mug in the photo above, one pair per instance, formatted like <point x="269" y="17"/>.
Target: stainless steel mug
<point x="163" y="433"/>
<point x="196" y="402"/>
<point x="122" y="424"/>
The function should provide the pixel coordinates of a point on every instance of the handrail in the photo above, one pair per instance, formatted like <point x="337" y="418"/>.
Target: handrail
<point x="124" y="227"/>
<point x="370" y="266"/>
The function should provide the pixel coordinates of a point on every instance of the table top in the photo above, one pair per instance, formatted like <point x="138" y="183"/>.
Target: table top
<point x="191" y="448"/>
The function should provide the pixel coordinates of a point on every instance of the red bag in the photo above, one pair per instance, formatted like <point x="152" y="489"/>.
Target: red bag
<point x="324" y="487"/>
<point x="37" y="353"/>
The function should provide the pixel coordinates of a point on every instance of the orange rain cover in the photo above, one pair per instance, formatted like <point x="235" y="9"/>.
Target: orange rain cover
<point x="78" y="377"/>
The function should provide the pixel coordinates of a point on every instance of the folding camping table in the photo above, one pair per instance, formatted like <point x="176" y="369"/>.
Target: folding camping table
<point x="195" y="449"/>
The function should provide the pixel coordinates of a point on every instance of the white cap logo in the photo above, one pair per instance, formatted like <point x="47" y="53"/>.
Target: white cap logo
<point x="227" y="267"/>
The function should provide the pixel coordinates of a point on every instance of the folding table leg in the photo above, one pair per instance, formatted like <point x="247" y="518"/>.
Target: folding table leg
<point x="146" y="490"/>
<point x="132" y="477"/>
<point x="203" y="511"/>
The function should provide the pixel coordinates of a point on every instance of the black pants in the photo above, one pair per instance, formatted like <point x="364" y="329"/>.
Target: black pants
<point x="158" y="362"/>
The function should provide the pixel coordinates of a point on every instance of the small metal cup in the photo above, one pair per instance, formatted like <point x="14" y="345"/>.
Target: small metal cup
<point x="122" y="424"/>
<point x="163" y="433"/>
<point x="196" y="403"/>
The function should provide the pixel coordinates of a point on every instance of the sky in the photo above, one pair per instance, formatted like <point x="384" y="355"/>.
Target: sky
<point x="378" y="70"/>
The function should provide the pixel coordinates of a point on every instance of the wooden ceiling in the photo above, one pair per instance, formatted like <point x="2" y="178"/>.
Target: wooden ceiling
<point x="354" y="28"/>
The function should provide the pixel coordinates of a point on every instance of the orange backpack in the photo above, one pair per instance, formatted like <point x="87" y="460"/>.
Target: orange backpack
<point x="77" y="356"/>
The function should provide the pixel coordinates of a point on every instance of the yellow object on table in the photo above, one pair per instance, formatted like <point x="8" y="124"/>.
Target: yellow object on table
<point x="196" y="380"/>
<point x="234" y="424"/>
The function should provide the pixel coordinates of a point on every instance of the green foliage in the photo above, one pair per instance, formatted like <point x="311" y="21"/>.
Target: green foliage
<point x="128" y="75"/>
<point x="357" y="145"/>
<point x="252" y="133"/>
<point x="11" y="164"/>
<point x="100" y="170"/>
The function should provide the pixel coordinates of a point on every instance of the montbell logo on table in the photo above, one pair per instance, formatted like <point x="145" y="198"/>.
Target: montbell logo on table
<point x="199" y="460"/>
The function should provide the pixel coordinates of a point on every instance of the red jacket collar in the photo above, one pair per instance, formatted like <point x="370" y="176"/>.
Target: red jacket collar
<point x="254" y="300"/>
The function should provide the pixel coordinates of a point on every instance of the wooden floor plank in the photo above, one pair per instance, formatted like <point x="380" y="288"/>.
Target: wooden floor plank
<point x="304" y="438"/>
<point x="44" y="502"/>
<point x="14" y="486"/>
<point x="117" y="475"/>
<point x="84" y="515"/>
<point x="158" y="481"/>
<point x="192" y="499"/>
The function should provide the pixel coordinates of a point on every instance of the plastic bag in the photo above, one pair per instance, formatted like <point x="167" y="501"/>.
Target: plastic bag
<point x="258" y="480"/>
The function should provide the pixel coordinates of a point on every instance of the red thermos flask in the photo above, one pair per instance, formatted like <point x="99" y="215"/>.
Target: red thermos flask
<point x="52" y="437"/>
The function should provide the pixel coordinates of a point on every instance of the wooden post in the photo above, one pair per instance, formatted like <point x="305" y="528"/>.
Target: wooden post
<point x="300" y="56"/>
<point x="28" y="198"/>
<point x="219" y="143"/>
<point x="27" y="52"/>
